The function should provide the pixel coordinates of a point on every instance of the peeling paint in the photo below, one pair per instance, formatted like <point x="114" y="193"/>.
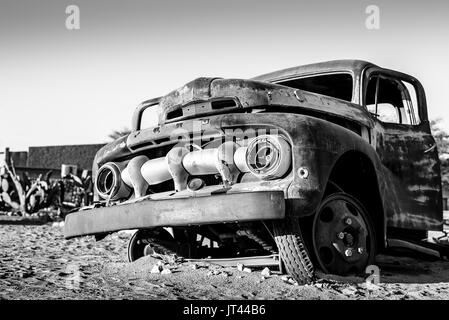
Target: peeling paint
<point x="320" y="129"/>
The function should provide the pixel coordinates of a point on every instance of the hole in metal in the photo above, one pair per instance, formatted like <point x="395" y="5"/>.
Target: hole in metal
<point x="352" y="209"/>
<point x="327" y="215"/>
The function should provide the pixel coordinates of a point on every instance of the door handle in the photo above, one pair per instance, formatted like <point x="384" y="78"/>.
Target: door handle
<point x="431" y="148"/>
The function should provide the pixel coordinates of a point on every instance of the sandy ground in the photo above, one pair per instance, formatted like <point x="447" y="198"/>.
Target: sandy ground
<point x="37" y="263"/>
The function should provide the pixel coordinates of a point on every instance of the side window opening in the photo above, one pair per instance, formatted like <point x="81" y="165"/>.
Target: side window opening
<point x="392" y="100"/>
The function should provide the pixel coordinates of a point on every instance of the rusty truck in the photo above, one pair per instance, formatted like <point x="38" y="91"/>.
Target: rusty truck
<point x="320" y="166"/>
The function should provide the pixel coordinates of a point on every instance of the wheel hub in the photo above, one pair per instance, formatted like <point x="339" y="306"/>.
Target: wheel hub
<point x="341" y="235"/>
<point x="348" y="239"/>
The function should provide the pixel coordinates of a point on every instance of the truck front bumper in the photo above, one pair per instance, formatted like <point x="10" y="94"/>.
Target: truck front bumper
<point x="171" y="212"/>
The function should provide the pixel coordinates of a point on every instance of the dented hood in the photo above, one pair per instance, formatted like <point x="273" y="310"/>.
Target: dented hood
<point x="253" y="94"/>
<point x="248" y="94"/>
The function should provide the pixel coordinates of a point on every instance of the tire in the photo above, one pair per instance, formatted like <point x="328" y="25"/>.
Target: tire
<point x="145" y="241"/>
<point x="356" y="248"/>
<point x="159" y="240"/>
<point x="292" y="250"/>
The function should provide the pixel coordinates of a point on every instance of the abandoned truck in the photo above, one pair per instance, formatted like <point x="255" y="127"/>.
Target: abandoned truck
<point x="317" y="166"/>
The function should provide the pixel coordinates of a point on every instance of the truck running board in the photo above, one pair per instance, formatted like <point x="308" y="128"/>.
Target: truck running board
<point x="435" y="249"/>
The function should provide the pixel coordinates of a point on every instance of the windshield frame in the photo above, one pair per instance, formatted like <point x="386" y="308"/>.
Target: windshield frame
<point x="137" y="115"/>
<point x="354" y="93"/>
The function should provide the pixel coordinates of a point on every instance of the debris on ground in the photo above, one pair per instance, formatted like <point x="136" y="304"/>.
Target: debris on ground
<point x="266" y="272"/>
<point x="194" y="266"/>
<point x="166" y="271"/>
<point x="349" y="291"/>
<point x="156" y="269"/>
<point x="59" y="224"/>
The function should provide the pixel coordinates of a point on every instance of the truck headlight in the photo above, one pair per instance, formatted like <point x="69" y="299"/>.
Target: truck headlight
<point x="268" y="156"/>
<point x="109" y="183"/>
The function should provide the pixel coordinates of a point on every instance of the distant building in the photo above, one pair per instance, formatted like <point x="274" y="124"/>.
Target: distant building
<point x="40" y="160"/>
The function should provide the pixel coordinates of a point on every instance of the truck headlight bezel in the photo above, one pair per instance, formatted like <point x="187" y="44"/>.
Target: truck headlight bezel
<point x="268" y="157"/>
<point x="109" y="183"/>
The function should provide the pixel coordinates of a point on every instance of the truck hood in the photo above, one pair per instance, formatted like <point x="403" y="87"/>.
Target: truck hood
<point x="190" y="101"/>
<point x="251" y="94"/>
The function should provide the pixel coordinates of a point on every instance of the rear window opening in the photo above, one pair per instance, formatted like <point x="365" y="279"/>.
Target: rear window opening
<point x="334" y="85"/>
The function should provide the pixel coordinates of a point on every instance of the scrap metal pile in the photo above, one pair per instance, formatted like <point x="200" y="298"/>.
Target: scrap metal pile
<point x="21" y="196"/>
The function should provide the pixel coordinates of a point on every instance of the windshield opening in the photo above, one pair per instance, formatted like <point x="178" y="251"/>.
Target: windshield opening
<point x="337" y="85"/>
<point x="150" y="117"/>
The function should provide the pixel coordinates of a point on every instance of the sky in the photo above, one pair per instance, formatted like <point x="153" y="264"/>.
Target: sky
<point x="61" y="86"/>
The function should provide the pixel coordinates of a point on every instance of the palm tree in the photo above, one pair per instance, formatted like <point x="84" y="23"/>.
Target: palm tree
<point x="119" y="133"/>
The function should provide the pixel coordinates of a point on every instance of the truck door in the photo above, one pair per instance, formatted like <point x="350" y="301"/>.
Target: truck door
<point x="407" y="150"/>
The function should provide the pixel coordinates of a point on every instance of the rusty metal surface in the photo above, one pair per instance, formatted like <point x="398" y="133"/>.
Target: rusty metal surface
<point x="177" y="212"/>
<point x="411" y="176"/>
<point x="251" y="94"/>
<point x="254" y="261"/>
<point x="320" y="129"/>
<point x="352" y="66"/>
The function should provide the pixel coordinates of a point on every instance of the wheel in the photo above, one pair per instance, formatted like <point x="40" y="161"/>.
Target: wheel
<point x="148" y="241"/>
<point x="343" y="236"/>
<point x="158" y="240"/>
<point x="292" y="250"/>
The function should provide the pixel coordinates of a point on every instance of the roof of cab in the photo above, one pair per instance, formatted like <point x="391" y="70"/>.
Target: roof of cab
<point x="354" y="66"/>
